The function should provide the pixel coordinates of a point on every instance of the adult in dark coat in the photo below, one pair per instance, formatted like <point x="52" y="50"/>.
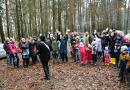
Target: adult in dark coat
<point x="44" y="49"/>
<point x="32" y="53"/>
<point x="104" y="41"/>
<point x="112" y="40"/>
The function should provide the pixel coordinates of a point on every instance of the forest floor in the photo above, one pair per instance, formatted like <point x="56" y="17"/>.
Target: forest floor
<point x="63" y="76"/>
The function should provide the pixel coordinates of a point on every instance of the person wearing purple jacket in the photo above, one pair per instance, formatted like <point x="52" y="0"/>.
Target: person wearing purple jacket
<point x="7" y="49"/>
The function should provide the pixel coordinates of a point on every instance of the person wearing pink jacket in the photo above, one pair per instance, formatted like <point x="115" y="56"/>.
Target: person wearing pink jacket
<point x="82" y="52"/>
<point x="13" y="50"/>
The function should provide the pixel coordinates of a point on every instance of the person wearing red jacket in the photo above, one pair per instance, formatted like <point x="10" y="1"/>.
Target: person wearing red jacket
<point x="82" y="52"/>
<point x="88" y="50"/>
<point x="13" y="50"/>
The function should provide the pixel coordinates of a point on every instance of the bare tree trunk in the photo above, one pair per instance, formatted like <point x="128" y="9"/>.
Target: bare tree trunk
<point x="1" y="30"/>
<point x="17" y="15"/>
<point x="41" y="16"/>
<point x="30" y="21"/>
<point x="21" y="18"/>
<point x="7" y="18"/>
<point x="54" y="16"/>
<point x="117" y="15"/>
<point x="127" y="17"/>
<point x="59" y="15"/>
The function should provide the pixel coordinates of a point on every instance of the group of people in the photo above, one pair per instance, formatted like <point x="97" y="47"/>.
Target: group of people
<point x="112" y="45"/>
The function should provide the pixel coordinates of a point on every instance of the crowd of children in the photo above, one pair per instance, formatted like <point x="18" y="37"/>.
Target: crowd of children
<point x="110" y="45"/>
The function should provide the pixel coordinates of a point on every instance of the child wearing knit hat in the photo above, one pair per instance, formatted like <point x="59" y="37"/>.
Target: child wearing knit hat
<point x="124" y="64"/>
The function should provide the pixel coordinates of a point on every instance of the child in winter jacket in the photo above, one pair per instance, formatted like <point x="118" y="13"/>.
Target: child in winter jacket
<point x="117" y="52"/>
<point x="106" y="56"/>
<point x="124" y="64"/>
<point x="82" y="52"/>
<point x="77" y="49"/>
<point x="94" y="53"/>
<point x="25" y="56"/>
<point x="88" y="50"/>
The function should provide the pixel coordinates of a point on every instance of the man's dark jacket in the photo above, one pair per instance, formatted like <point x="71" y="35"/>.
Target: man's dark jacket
<point x="44" y="51"/>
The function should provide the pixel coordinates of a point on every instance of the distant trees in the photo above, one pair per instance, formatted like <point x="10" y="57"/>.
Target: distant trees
<point x="24" y="18"/>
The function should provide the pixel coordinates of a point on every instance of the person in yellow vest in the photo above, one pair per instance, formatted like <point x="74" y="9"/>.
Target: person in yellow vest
<point x="87" y="38"/>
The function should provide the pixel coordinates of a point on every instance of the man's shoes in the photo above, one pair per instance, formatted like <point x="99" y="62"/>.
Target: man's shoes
<point x="120" y="79"/>
<point x="47" y="78"/>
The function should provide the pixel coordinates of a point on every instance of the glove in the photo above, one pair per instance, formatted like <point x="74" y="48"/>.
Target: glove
<point x="126" y="69"/>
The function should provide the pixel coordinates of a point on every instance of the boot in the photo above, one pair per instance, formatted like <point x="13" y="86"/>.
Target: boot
<point x="95" y="64"/>
<point x="78" y="61"/>
<point x="53" y="62"/>
<point x="114" y="60"/>
<point x="127" y="79"/>
<point x="23" y="63"/>
<point x="111" y="61"/>
<point x="120" y="79"/>
<point x="74" y="60"/>
<point x="92" y="63"/>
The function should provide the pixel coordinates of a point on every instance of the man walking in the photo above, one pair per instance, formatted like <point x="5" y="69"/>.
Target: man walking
<point x="44" y="49"/>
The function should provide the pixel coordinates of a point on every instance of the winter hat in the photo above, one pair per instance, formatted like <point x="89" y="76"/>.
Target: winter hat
<point x="104" y="32"/>
<point x="71" y="33"/>
<point x="106" y="48"/>
<point x="81" y="43"/>
<point x="124" y="48"/>
<point x="94" y="42"/>
<point x="21" y="38"/>
<point x="89" y="45"/>
<point x="34" y="37"/>
<point x="117" y="41"/>
<point x="42" y="38"/>
<point x="82" y="40"/>
<point x="81" y="34"/>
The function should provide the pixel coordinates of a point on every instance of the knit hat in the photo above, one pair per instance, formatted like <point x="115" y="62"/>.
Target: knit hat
<point x="82" y="40"/>
<point x="106" y="48"/>
<point x="124" y="48"/>
<point x="72" y="34"/>
<point x="104" y="32"/>
<point x="117" y="41"/>
<point x="81" y="34"/>
<point x="94" y="42"/>
<point x="21" y="38"/>
<point x="42" y="38"/>
<point x="81" y="43"/>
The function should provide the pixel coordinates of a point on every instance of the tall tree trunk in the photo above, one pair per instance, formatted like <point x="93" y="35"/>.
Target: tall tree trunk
<point x="127" y="17"/>
<point x="66" y="15"/>
<point x="54" y="16"/>
<point x="59" y="16"/>
<point x="21" y="17"/>
<point x="30" y="21"/>
<point x="1" y="29"/>
<point x="41" y="16"/>
<point x="17" y="15"/>
<point x="117" y="15"/>
<point x="80" y="18"/>
<point x="7" y="18"/>
<point x="35" y="19"/>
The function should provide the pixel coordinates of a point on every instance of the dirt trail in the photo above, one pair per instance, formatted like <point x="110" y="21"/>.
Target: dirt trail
<point x="64" y="76"/>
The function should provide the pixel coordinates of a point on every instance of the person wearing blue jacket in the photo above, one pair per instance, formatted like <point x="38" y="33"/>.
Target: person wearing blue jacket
<point x="63" y="46"/>
<point x="117" y="51"/>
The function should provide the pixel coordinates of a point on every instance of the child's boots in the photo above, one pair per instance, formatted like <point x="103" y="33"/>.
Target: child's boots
<point x="111" y="61"/>
<point x="114" y="60"/>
